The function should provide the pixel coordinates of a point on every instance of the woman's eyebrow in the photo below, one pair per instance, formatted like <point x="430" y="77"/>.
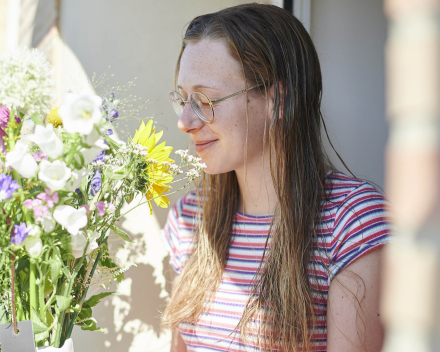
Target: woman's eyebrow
<point x="197" y="86"/>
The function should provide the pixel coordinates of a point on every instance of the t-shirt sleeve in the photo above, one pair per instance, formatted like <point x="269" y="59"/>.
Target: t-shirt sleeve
<point x="361" y="225"/>
<point x="170" y="234"/>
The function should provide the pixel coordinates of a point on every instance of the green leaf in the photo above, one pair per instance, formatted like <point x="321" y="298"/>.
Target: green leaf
<point x="117" y="177"/>
<point x="129" y="198"/>
<point x="3" y="315"/>
<point x="37" y="323"/>
<point x="108" y="173"/>
<point x="111" y="143"/>
<point x="90" y="325"/>
<point x="109" y="263"/>
<point x="22" y="263"/>
<point x="94" y="300"/>
<point x="63" y="302"/>
<point x="55" y="269"/>
<point x="122" y="234"/>
<point x="36" y="118"/>
<point x="84" y="314"/>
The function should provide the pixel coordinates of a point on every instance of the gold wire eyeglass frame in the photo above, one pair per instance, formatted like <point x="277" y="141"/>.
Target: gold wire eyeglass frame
<point x="210" y="102"/>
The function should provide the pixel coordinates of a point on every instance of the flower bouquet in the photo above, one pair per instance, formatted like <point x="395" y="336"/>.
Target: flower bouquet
<point x="62" y="188"/>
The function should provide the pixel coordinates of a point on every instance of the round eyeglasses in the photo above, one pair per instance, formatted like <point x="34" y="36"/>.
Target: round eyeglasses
<point x="201" y="104"/>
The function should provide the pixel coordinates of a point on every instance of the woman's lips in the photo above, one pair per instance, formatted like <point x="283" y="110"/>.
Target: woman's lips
<point x="201" y="146"/>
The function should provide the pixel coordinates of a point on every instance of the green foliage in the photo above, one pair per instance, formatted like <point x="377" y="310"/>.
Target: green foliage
<point x="86" y="321"/>
<point x="36" y="118"/>
<point x="94" y="300"/>
<point x="62" y="302"/>
<point x="3" y="315"/>
<point x="121" y="234"/>
<point x="37" y="324"/>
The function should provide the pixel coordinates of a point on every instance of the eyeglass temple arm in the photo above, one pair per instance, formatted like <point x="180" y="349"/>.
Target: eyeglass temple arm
<point x="233" y="95"/>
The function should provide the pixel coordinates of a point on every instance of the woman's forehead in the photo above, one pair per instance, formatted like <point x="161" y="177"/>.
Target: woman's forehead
<point x="208" y="63"/>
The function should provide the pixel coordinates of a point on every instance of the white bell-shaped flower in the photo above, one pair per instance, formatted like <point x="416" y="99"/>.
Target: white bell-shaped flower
<point x="21" y="161"/>
<point x="89" y="154"/>
<point x="70" y="218"/>
<point x="48" y="223"/>
<point x="79" y="243"/>
<point x="55" y="174"/>
<point x="33" y="246"/>
<point x="47" y="140"/>
<point x="91" y="138"/>
<point x="80" y="113"/>
<point x="76" y="179"/>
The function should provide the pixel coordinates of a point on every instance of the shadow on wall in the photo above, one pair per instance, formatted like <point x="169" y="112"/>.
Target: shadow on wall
<point x="132" y="317"/>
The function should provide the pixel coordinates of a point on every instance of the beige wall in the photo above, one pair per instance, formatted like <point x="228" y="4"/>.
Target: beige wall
<point x="350" y="38"/>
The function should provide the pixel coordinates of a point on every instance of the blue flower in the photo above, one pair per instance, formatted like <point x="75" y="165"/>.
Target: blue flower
<point x="20" y="233"/>
<point x="7" y="187"/>
<point x="95" y="185"/>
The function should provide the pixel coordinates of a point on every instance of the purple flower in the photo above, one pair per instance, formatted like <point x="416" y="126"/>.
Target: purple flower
<point x="109" y="132"/>
<point x="7" y="187"/>
<point x="95" y="185"/>
<point x="20" y="233"/>
<point x="100" y="157"/>
<point x="113" y="114"/>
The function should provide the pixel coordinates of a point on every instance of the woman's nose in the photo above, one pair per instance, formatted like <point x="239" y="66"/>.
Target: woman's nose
<point x="189" y="122"/>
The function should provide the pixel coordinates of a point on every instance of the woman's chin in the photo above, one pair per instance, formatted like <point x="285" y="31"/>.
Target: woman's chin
<point x="214" y="169"/>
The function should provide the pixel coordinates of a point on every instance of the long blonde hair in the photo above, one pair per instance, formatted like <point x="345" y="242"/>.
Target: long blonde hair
<point x="276" y="51"/>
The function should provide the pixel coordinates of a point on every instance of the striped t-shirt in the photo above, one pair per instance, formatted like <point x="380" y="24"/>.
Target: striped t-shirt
<point x="353" y="223"/>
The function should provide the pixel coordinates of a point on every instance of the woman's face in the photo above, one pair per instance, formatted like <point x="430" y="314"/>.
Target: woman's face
<point x="207" y="67"/>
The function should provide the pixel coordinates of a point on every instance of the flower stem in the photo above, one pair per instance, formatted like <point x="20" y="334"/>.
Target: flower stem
<point x="14" y="317"/>
<point x="33" y="289"/>
<point x="83" y="297"/>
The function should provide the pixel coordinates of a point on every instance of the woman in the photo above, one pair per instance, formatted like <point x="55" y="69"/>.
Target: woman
<point x="276" y="250"/>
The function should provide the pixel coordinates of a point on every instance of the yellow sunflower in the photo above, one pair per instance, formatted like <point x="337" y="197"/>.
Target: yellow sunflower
<point x="158" y="177"/>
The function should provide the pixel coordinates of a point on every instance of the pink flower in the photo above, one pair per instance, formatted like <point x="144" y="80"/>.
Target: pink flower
<point x="111" y="207"/>
<point x="100" y="206"/>
<point x="36" y="203"/>
<point x="28" y="203"/>
<point x="55" y="198"/>
<point x="40" y="212"/>
<point x="39" y="156"/>
<point x="4" y="117"/>
<point x="86" y="207"/>
<point x="46" y="197"/>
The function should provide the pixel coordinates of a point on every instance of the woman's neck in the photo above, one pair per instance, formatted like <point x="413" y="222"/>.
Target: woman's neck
<point x="258" y="195"/>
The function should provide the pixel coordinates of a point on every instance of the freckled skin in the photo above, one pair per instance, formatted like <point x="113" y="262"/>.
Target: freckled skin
<point x="209" y="63"/>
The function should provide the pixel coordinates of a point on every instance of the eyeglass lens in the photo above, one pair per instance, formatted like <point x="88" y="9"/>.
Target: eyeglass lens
<point x="199" y="102"/>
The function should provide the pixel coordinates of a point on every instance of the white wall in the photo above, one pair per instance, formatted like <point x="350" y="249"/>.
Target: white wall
<point x="350" y="37"/>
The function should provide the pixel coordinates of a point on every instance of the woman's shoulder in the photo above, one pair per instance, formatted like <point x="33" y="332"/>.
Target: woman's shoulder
<point x="188" y="204"/>
<point x="341" y="189"/>
<point x="356" y="221"/>
<point x="186" y="210"/>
